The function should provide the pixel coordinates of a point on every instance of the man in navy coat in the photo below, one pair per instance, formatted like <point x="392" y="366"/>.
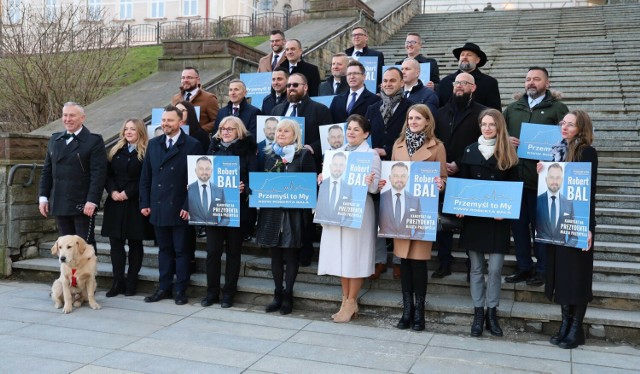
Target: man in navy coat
<point x="163" y="197"/>
<point x="239" y="107"/>
<point x="341" y="106"/>
<point x="360" y="40"/>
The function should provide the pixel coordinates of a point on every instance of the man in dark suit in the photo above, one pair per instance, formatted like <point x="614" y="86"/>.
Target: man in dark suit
<point x="191" y="91"/>
<point x="239" y="107"/>
<point x="413" y="45"/>
<point x="360" y="40"/>
<point x="205" y="197"/>
<point x="471" y="58"/>
<point x="278" y="90"/>
<point x="414" y="90"/>
<point x="270" y="125"/>
<point x="334" y="192"/>
<point x="271" y="61"/>
<point x="295" y="64"/>
<point x="396" y="200"/>
<point x="163" y="197"/>
<point x="73" y="176"/>
<point x="553" y="210"/>
<point x="342" y="106"/>
<point x="337" y="82"/>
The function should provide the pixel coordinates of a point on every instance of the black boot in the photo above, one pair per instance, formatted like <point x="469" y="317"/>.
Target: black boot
<point x="418" y="317"/>
<point x="575" y="336"/>
<point x="117" y="288"/>
<point x="287" y="302"/>
<point x="567" y="318"/>
<point x="276" y="303"/>
<point x="492" y="322"/>
<point x="132" y="285"/>
<point x="408" y="309"/>
<point x="478" y="321"/>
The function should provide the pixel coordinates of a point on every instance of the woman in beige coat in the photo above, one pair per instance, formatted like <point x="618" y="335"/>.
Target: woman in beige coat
<point x="417" y="142"/>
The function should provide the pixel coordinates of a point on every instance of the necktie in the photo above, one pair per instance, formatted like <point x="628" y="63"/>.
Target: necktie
<point x="359" y="53"/>
<point x="406" y="93"/>
<point x="335" y="87"/>
<point x="235" y="111"/>
<point x="187" y="96"/>
<point x="294" y="111"/>
<point x="277" y="99"/>
<point x="274" y="63"/>
<point x="352" y="102"/>
<point x="67" y="136"/>
<point x="170" y="143"/>
<point x="332" y="196"/>
<point x="553" y="211"/>
<point x="205" y="198"/>
<point x="398" y="210"/>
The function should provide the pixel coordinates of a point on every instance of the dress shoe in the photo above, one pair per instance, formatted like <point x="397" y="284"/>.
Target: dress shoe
<point x="396" y="272"/>
<point x="535" y="281"/>
<point x="519" y="276"/>
<point x="442" y="272"/>
<point x="349" y="312"/>
<point x="117" y="288"/>
<point x="181" y="298"/>
<point x="157" y="296"/>
<point x="380" y="268"/>
<point x="209" y="300"/>
<point x="227" y="301"/>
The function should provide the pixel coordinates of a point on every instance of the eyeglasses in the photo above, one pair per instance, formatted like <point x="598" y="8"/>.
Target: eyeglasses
<point x="353" y="73"/>
<point x="358" y="35"/>
<point x="410" y="42"/>
<point x="227" y="129"/>
<point x="462" y="83"/>
<point x="570" y="124"/>
<point x="294" y="85"/>
<point x="189" y="78"/>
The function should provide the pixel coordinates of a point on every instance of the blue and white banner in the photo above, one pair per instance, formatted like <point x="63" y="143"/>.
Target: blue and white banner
<point x="536" y="141"/>
<point x="282" y="190"/>
<point x="481" y="198"/>
<point x="258" y="86"/>
<point x="324" y="100"/>
<point x="371" y="71"/>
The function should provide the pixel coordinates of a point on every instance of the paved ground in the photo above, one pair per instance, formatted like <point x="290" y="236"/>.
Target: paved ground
<point x="128" y="335"/>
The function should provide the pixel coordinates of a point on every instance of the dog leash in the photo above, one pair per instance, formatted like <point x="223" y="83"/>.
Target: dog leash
<point x="92" y="221"/>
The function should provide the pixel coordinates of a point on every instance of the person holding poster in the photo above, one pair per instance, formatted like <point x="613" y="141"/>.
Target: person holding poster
<point x="417" y="142"/>
<point x="231" y="139"/>
<point x="491" y="158"/>
<point x="347" y="252"/>
<point x="280" y="229"/>
<point x="569" y="273"/>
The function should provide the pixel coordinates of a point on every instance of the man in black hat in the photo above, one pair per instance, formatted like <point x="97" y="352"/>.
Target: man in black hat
<point x="470" y="58"/>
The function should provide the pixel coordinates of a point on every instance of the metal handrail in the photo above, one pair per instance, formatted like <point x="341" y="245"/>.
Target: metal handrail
<point x="15" y="168"/>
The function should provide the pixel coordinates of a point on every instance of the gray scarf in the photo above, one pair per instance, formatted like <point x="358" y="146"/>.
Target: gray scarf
<point x="388" y="103"/>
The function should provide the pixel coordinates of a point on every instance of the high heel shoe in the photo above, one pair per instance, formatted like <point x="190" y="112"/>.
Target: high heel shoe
<point x="349" y="312"/>
<point x="344" y="299"/>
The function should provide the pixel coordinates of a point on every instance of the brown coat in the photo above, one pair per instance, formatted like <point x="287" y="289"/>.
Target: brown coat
<point x="430" y="151"/>
<point x="208" y="104"/>
<point x="265" y="63"/>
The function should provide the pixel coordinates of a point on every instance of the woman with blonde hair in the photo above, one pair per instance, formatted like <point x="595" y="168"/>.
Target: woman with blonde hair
<point x="280" y="229"/>
<point x="493" y="158"/>
<point x="122" y="218"/>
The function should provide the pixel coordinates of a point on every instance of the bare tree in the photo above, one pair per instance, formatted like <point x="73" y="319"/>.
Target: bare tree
<point x="51" y="56"/>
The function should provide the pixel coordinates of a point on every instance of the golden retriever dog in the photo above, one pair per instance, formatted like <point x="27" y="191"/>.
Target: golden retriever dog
<point x="78" y="269"/>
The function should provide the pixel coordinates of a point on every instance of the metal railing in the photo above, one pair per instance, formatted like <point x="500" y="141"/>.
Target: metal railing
<point x="448" y="6"/>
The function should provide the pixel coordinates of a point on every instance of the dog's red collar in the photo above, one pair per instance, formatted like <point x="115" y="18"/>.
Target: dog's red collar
<point x="74" y="281"/>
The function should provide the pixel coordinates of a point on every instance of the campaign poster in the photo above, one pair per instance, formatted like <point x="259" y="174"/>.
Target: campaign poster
<point x="156" y="115"/>
<point x="343" y="192"/>
<point x="409" y="200"/>
<point x="258" y="86"/>
<point x="282" y="190"/>
<point x="483" y="198"/>
<point x="332" y="136"/>
<point x="214" y="190"/>
<point x="266" y="128"/>
<point x="563" y="205"/>
<point x="156" y="130"/>
<point x="536" y="141"/>
<point x="371" y="71"/>
<point x="425" y="71"/>
<point x="324" y="100"/>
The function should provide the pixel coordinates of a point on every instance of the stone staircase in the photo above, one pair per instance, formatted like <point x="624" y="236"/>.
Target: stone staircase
<point x="590" y="53"/>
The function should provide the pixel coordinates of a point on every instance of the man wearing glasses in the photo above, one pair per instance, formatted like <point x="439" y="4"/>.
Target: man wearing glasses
<point x="357" y="99"/>
<point x="413" y="45"/>
<point x="238" y="106"/>
<point x="470" y="59"/>
<point x="359" y="39"/>
<point x="191" y="90"/>
<point x="295" y="64"/>
<point x="457" y="127"/>
<point x="541" y="106"/>
<point x="271" y="61"/>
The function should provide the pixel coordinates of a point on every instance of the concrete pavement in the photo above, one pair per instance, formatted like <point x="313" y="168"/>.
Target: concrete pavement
<point x="128" y="335"/>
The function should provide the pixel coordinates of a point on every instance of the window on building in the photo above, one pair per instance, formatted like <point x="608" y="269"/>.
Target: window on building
<point x="265" y="5"/>
<point x="14" y="11"/>
<point x="94" y="10"/>
<point x="157" y="8"/>
<point x="190" y="8"/>
<point x="126" y="9"/>
<point x="50" y="9"/>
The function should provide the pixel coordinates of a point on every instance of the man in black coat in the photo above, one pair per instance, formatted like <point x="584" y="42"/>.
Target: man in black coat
<point x="471" y="58"/>
<point x="163" y="198"/>
<point x="341" y="105"/>
<point x="73" y="176"/>
<point x="413" y="45"/>
<point x="337" y="82"/>
<point x="295" y="64"/>
<point x="360" y="40"/>
<point x="457" y="127"/>
<point x="278" y="93"/>
<point x="239" y="107"/>
<point x="414" y="90"/>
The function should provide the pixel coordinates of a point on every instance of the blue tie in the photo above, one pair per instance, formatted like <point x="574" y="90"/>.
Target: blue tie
<point x="553" y="211"/>
<point x="332" y="195"/>
<point x="170" y="143"/>
<point x="294" y="112"/>
<point x="352" y="102"/>
<point x="398" y="211"/>
<point x="205" y="198"/>
<point x="358" y="54"/>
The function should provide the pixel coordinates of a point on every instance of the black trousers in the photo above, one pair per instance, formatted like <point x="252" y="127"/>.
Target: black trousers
<point x="78" y="224"/>
<point x="119" y="258"/>
<point x="280" y="256"/>
<point x="216" y="238"/>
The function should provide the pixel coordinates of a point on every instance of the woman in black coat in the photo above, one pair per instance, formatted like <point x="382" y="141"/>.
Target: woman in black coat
<point x="122" y="218"/>
<point x="231" y="139"/>
<point x="570" y="270"/>
<point x="491" y="158"/>
<point x="280" y="229"/>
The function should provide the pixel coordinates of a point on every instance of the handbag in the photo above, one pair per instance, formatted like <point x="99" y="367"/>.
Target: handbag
<point x="447" y="221"/>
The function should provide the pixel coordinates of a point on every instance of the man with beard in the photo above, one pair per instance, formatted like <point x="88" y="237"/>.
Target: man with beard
<point x="271" y="61"/>
<point x="413" y="44"/>
<point x="541" y="106"/>
<point x="295" y="64"/>
<point x="414" y="90"/>
<point x="335" y="137"/>
<point x="357" y="99"/>
<point x="457" y="127"/>
<point x="278" y="90"/>
<point x="337" y="82"/>
<point x="334" y="192"/>
<point x="470" y="58"/>
<point x="270" y="125"/>
<point x="238" y="106"/>
<point x="191" y="91"/>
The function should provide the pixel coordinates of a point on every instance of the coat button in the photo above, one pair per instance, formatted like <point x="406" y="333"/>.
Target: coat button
<point x="159" y="184"/>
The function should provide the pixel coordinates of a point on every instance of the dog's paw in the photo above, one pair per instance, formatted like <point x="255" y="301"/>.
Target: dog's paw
<point x="67" y="309"/>
<point x="58" y="305"/>
<point x="95" y="305"/>
<point x="77" y="303"/>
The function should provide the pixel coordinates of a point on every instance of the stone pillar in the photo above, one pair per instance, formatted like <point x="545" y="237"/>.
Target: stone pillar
<point x="21" y="225"/>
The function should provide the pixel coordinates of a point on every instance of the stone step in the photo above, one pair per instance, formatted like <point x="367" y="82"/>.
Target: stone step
<point x="618" y="216"/>
<point x="617" y="175"/>
<point x="619" y="234"/>
<point x="618" y="187"/>
<point x="604" y="200"/>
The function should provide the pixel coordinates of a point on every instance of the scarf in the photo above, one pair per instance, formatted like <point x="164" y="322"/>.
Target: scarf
<point x="388" y="103"/>
<point x="226" y="145"/>
<point x="414" y="140"/>
<point x="486" y="146"/>
<point x="287" y="152"/>
<point x="559" y="151"/>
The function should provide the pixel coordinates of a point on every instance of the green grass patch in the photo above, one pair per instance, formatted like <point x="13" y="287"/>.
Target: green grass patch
<point x="252" y="41"/>
<point x="139" y="63"/>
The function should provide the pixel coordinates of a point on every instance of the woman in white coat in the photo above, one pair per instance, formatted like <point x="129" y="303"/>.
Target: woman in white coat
<point x="347" y="252"/>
